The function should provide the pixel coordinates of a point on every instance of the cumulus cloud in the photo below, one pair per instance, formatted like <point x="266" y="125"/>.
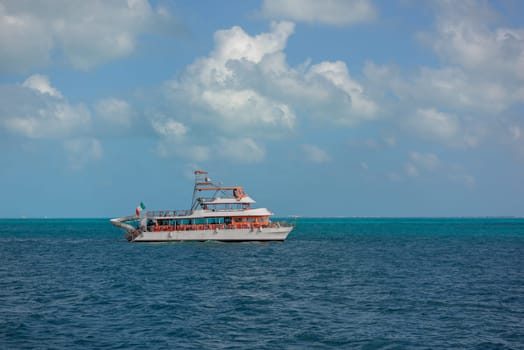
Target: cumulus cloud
<point x="245" y="86"/>
<point x="37" y="110"/>
<point x="244" y="90"/>
<point x="82" y="151"/>
<point x="330" y="12"/>
<point x="169" y="128"/>
<point x="466" y="35"/>
<point x="85" y="33"/>
<point x="212" y="93"/>
<point x="451" y="87"/>
<point x="486" y="61"/>
<point x="41" y="84"/>
<point x="175" y="139"/>
<point x="466" y="100"/>
<point x="337" y="73"/>
<point x="24" y="41"/>
<point x="235" y="44"/>
<point x="315" y="154"/>
<point x="247" y="110"/>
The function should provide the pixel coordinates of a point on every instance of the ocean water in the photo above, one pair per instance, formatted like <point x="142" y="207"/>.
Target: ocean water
<point x="334" y="284"/>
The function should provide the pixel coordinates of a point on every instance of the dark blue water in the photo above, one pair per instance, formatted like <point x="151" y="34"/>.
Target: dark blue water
<point x="335" y="283"/>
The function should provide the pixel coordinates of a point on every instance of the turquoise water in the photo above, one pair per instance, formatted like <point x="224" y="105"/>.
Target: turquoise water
<point x="335" y="283"/>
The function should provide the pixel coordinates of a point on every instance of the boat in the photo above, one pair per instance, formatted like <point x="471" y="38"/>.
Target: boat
<point x="218" y="213"/>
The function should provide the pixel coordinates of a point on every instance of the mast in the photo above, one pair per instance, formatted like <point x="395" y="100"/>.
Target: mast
<point x="203" y="183"/>
<point x="201" y="179"/>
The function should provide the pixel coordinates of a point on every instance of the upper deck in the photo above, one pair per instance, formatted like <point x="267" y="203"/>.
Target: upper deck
<point x="188" y="214"/>
<point x="214" y="200"/>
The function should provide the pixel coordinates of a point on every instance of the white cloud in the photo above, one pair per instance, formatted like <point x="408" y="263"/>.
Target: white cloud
<point x="244" y="90"/>
<point x="86" y="33"/>
<point x="115" y="111"/>
<point x="338" y="74"/>
<point x="37" y="110"/>
<point x="235" y="44"/>
<point x="467" y="99"/>
<point x="331" y="12"/>
<point x="174" y="140"/>
<point x="434" y="125"/>
<point x="243" y="150"/>
<point x="455" y="88"/>
<point x="54" y="121"/>
<point x="169" y="128"/>
<point x="41" y="84"/>
<point x="213" y="92"/>
<point x="82" y="151"/>
<point x="448" y="86"/>
<point x="465" y="35"/>
<point x="474" y="106"/>
<point x="245" y="87"/>
<point x="315" y="154"/>
<point x="24" y="41"/>
<point x="242" y="110"/>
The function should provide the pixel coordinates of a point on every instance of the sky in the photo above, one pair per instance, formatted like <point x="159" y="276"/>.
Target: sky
<point x="318" y="108"/>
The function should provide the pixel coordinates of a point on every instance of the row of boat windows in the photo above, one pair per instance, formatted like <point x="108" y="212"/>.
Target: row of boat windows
<point x="208" y="221"/>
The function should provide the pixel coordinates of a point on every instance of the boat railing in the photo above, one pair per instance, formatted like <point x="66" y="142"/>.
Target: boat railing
<point x="167" y="213"/>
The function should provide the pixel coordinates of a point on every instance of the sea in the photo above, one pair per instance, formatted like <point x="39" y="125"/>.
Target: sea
<point x="336" y="283"/>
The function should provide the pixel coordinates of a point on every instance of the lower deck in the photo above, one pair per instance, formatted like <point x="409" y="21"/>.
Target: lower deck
<point x="224" y="235"/>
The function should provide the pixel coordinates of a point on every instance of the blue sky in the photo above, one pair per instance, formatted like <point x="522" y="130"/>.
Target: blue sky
<point x="318" y="108"/>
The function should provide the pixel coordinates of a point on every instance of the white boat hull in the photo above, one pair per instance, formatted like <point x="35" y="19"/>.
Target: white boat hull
<point x="223" y="235"/>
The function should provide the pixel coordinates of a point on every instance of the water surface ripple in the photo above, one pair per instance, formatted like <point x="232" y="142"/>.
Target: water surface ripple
<point x="335" y="283"/>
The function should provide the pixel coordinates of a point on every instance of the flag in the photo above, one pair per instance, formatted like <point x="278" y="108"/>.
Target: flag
<point x="139" y="208"/>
